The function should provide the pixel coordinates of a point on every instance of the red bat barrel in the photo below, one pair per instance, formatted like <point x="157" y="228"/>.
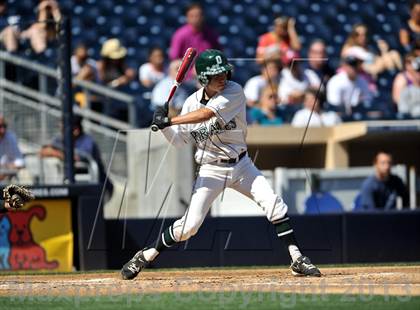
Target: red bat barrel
<point x="185" y="64"/>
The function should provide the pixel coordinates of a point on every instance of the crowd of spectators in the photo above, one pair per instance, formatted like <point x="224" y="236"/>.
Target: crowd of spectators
<point x="297" y="82"/>
<point x="289" y="69"/>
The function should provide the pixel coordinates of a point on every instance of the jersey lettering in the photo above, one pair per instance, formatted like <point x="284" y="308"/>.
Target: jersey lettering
<point x="202" y="133"/>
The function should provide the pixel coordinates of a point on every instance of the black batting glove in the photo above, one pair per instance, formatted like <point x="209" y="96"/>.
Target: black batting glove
<point x="160" y="118"/>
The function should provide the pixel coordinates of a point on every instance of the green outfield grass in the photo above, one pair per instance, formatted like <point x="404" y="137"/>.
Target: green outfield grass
<point x="214" y="300"/>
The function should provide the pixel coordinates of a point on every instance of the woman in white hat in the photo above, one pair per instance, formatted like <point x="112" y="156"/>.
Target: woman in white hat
<point x="112" y="69"/>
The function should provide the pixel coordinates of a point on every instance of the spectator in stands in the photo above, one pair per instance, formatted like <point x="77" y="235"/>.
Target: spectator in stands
<point x="83" y="67"/>
<point x="3" y="14"/>
<point x="153" y="71"/>
<point x="357" y="46"/>
<point x="347" y="89"/>
<point x="112" y="70"/>
<point x="294" y="82"/>
<point x="45" y="29"/>
<point x="317" y="63"/>
<point x="312" y="113"/>
<point x="410" y="32"/>
<point x="9" y="28"/>
<point x="281" y="43"/>
<point x="417" y="48"/>
<point x="405" y="78"/>
<point x="161" y="90"/>
<point x="380" y="191"/>
<point x="270" y="75"/>
<point x="195" y="33"/>
<point x="85" y="149"/>
<point x="406" y="87"/>
<point x="266" y="112"/>
<point x="11" y="158"/>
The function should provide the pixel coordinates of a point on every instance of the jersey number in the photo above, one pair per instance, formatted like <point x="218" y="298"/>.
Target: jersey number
<point x="219" y="60"/>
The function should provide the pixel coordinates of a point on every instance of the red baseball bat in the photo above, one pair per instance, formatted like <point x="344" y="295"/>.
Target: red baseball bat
<point x="186" y="62"/>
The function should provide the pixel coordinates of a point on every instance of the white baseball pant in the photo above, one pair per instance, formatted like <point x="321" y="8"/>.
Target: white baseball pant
<point x="211" y="181"/>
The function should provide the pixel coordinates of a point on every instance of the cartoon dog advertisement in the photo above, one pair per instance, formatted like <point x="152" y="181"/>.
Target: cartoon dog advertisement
<point x="37" y="237"/>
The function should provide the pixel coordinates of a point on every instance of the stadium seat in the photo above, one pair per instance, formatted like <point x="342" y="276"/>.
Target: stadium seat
<point x="321" y="203"/>
<point x="130" y="16"/>
<point x="89" y="16"/>
<point x="106" y="7"/>
<point x="66" y="5"/>
<point x="290" y="10"/>
<point x="131" y="35"/>
<point x="24" y="7"/>
<point x="357" y="203"/>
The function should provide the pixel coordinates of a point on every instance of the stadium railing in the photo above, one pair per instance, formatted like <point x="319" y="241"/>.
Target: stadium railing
<point x="34" y="111"/>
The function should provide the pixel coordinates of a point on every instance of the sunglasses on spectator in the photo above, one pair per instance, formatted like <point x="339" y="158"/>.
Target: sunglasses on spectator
<point x="3" y="126"/>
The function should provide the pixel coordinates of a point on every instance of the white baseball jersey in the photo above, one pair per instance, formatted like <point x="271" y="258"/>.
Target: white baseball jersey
<point x="222" y="136"/>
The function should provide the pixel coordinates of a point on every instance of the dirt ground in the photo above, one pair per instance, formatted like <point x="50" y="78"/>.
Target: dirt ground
<point x="396" y="280"/>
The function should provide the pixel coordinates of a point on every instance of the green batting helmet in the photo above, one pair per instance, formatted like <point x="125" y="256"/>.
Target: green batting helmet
<point x="209" y="63"/>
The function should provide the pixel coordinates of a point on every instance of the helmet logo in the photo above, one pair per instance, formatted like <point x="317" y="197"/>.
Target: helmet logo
<point x="219" y="60"/>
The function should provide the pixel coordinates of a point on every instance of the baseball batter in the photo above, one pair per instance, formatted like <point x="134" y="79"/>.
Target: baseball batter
<point x="214" y="119"/>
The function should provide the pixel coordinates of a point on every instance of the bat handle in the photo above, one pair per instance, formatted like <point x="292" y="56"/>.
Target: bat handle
<point x="154" y="128"/>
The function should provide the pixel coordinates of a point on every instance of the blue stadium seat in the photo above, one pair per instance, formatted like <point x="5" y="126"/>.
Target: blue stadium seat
<point x="225" y="5"/>
<point x="357" y="203"/>
<point x="89" y="16"/>
<point x="141" y="55"/>
<point x="237" y="44"/>
<point x="302" y="4"/>
<point x="321" y="203"/>
<point x="106" y="7"/>
<point x="143" y="40"/>
<point x="249" y="36"/>
<point x="66" y="5"/>
<point x="252" y="15"/>
<point x="290" y="9"/>
<point x="119" y="10"/>
<point x="264" y="4"/>
<point x="171" y="16"/>
<point x="212" y="12"/>
<point x="24" y="7"/>
<point x="90" y="36"/>
<point x="131" y="35"/>
<point x="78" y="10"/>
<point x="130" y="16"/>
<point x="114" y="22"/>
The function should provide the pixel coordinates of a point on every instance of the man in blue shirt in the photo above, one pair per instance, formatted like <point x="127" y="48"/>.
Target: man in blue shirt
<point x="381" y="190"/>
<point x="85" y="148"/>
<point x="11" y="158"/>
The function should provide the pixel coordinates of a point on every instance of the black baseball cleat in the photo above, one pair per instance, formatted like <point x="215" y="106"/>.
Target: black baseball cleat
<point x="303" y="267"/>
<point x="131" y="269"/>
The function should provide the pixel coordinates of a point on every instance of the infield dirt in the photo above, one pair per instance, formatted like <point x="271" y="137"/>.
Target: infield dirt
<point x="396" y="280"/>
